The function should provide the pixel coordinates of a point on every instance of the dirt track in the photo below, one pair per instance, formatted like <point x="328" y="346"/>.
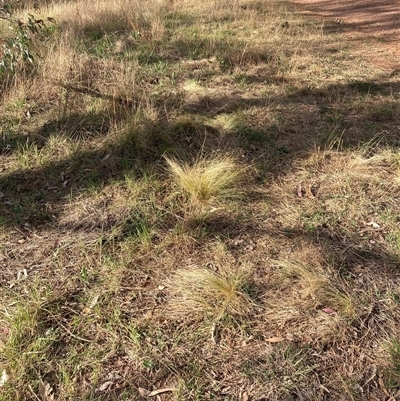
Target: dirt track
<point x="375" y="25"/>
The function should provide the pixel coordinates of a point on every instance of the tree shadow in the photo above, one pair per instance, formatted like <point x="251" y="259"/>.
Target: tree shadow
<point x="365" y="266"/>
<point x="378" y="18"/>
<point x="354" y="114"/>
<point x="75" y="126"/>
<point x="291" y="124"/>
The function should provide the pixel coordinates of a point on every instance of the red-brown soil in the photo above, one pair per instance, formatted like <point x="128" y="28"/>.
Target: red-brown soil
<point x="374" y="25"/>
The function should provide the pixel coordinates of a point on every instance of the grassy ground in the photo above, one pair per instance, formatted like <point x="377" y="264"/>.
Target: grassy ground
<point x="198" y="201"/>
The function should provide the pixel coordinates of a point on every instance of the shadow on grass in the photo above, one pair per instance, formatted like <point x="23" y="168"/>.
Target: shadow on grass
<point x="376" y="18"/>
<point x="75" y="126"/>
<point x="354" y="115"/>
<point x="344" y="250"/>
<point x="365" y="266"/>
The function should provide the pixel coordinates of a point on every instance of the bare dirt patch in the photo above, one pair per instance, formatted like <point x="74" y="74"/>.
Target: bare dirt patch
<point x="374" y="26"/>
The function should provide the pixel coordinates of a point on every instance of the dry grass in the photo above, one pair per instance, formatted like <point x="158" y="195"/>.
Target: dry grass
<point x="204" y="293"/>
<point x="207" y="179"/>
<point x="392" y="348"/>
<point x="288" y="286"/>
<point x="79" y="18"/>
<point x="320" y="286"/>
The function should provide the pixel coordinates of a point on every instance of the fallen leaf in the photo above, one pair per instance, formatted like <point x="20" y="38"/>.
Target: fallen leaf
<point x="112" y="376"/>
<point x="299" y="191"/>
<point x="104" y="386"/>
<point x="329" y="311"/>
<point x="161" y="390"/>
<point x="146" y="393"/>
<point x="105" y="157"/>
<point x="4" y="378"/>
<point x="143" y="392"/>
<point x="93" y="302"/>
<point x="22" y="274"/>
<point x="275" y="339"/>
<point x="46" y="391"/>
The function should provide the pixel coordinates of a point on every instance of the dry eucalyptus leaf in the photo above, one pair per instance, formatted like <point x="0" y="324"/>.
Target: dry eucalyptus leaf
<point x="275" y="339"/>
<point x="299" y="191"/>
<point x="93" y="302"/>
<point x="161" y="390"/>
<point x="146" y="393"/>
<point x="105" y="157"/>
<point x="143" y="392"/>
<point x="112" y="376"/>
<point x="45" y="391"/>
<point x="104" y="386"/>
<point x="22" y="274"/>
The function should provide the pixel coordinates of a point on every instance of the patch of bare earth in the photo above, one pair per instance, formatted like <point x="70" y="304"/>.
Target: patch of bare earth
<point x="373" y="26"/>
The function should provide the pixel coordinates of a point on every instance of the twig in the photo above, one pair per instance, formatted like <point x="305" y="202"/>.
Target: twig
<point x="372" y="376"/>
<point x="34" y="394"/>
<point x="213" y="328"/>
<point x="73" y="335"/>
<point x="68" y="331"/>
<point x="161" y="390"/>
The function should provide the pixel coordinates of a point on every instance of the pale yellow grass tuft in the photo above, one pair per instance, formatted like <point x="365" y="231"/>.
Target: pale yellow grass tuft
<point x="199" y="292"/>
<point x="226" y="123"/>
<point x="207" y="179"/>
<point x="321" y="286"/>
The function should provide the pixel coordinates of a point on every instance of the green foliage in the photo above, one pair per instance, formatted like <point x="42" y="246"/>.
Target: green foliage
<point x="17" y="47"/>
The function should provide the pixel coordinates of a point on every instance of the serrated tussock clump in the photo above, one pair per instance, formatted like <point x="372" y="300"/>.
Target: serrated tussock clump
<point x="200" y="293"/>
<point x="207" y="179"/>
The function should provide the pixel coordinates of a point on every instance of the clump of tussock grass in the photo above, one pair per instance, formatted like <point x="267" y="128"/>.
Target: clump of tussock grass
<point x="143" y="134"/>
<point x="187" y="129"/>
<point x="207" y="179"/>
<point x="200" y="293"/>
<point x="320" y="287"/>
<point x="30" y="155"/>
<point x="227" y="123"/>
